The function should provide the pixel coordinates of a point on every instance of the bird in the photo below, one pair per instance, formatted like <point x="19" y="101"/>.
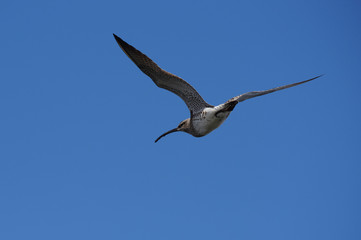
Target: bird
<point x="204" y="117"/>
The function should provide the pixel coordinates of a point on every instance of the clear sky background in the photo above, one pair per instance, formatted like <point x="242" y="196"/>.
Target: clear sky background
<point x="78" y="121"/>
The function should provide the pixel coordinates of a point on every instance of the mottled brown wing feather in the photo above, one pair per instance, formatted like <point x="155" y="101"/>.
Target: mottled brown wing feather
<point x="164" y="79"/>
<point x="253" y="94"/>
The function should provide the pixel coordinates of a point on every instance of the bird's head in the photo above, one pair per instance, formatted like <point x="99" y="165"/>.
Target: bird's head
<point x="183" y="126"/>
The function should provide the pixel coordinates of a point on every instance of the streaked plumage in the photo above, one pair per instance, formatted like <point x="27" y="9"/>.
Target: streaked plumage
<point x="204" y="117"/>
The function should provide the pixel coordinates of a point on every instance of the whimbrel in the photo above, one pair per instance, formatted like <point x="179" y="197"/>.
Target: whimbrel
<point x="204" y="117"/>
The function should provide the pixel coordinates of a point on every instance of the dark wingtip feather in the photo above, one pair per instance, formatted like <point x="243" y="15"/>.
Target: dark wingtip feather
<point x="317" y="77"/>
<point x="118" y="39"/>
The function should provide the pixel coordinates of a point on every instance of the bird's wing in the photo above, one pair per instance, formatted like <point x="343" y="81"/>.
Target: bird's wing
<point x="253" y="94"/>
<point x="164" y="79"/>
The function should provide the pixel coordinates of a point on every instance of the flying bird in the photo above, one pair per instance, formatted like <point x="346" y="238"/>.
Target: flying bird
<point x="204" y="117"/>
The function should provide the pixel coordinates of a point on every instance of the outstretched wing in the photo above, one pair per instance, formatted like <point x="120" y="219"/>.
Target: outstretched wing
<point x="253" y="94"/>
<point x="164" y="79"/>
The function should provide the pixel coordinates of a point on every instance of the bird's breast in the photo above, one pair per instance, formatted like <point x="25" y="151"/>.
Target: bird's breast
<point x="208" y="120"/>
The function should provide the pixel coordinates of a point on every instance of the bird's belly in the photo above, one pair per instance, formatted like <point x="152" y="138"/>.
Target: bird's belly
<point x="208" y="121"/>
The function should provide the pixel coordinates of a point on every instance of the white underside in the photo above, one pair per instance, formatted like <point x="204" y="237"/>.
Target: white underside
<point x="208" y="121"/>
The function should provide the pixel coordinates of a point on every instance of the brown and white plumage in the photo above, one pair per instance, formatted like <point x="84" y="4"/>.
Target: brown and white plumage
<point x="204" y="117"/>
<point x="253" y="94"/>
<point x="164" y="79"/>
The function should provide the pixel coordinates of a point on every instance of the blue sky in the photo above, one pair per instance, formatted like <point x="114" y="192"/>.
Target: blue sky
<point x="79" y="120"/>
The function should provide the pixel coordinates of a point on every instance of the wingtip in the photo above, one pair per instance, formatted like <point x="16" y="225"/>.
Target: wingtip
<point x="317" y="77"/>
<point x="115" y="36"/>
<point x="120" y="41"/>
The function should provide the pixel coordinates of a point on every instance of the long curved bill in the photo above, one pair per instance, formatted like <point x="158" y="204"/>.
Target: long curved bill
<point x="170" y="131"/>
